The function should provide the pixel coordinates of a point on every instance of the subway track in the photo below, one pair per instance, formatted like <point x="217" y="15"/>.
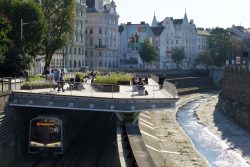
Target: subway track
<point x="95" y="137"/>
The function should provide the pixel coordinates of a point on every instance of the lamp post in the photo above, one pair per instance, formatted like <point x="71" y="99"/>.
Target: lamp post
<point x="22" y="24"/>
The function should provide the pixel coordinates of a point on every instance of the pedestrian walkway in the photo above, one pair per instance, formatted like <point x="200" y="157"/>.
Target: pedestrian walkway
<point x="126" y="91"/>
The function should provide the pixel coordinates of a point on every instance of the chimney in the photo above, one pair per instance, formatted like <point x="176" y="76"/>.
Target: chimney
<point x="191" y="21"/>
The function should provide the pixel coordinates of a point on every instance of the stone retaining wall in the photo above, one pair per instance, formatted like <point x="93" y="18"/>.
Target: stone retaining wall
<point x="238" y="112"/>
<point x="236" y="85"/>
<point x="234" y="100"/>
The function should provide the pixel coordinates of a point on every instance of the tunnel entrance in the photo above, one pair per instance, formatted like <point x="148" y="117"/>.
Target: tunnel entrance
<point x="89" y="138"/>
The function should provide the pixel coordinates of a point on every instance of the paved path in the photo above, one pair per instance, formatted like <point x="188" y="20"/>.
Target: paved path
<point x="125" y="92"/>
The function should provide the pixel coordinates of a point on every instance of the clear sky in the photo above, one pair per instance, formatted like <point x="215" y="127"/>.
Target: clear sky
<point x="205" y="13"/>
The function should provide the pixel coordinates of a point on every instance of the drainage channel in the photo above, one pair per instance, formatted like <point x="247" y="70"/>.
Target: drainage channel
<point x="217" y="151"/>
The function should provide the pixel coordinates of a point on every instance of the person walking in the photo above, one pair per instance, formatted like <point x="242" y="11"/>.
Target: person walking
<point x="61" y="83"/>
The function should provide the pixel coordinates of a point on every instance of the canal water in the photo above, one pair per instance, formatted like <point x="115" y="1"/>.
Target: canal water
<point x="217" y="151"/>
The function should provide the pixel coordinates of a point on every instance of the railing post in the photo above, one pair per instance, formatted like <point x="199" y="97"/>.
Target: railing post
<point x="15" y="82"/>
<point x="153" y="91"/>
<point x="112" y="91"/>
<point x="91" y="89"/>
<point x="2" y="84"/>
<point x="9" y="83"/>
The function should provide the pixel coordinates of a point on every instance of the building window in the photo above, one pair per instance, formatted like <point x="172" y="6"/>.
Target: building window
<point x="100" y="30"/>
<point x="81" y="38"/>
<point x="70" y="63"/>
<point x="75" y="51"/>
<point x="79" y="51"/>
<point x="91" y="31"/>
<point x="86" y="31"/>
<point x="91" y="53"/>
<point x="100" y="63"/>
<point x="79" y="63"/>
<point x="91" y="42"/>
<point x="80" y="25"/>
<point x="86" y="53"/>
<point x="100" y="42"/>
<point x="74" y="63"/>
<point x="75" y="37"/>
<point x="100" y="53"/>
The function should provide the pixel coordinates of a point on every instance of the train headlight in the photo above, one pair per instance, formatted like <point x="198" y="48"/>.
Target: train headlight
<point x="36" y="144"/>
<point x="56" y="144"/>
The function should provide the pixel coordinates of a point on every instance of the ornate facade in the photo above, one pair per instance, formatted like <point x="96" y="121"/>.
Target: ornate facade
<point x="177" y="33"/>
<point x="101" y="34"/>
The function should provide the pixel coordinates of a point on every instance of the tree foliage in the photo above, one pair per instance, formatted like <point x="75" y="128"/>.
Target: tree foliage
<point x="204" y="59"/>
<point x="22" y="53"/>
<point x="246" y="42"/>
<point x="5" y="42"/>
<point x="60" y="15"/>
<point x="178" y="55"/>
<point x="148" y="52"/>
<point x="224" y="46"/>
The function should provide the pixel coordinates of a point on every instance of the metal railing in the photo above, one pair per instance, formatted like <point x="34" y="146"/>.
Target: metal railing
<point x="10" y="83"/>
<point x="96" y="90"/>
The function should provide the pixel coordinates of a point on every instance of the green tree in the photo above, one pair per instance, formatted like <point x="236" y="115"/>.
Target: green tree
<point x="224" y="46"/>
<point x="22" y="53"/>
<point x="178" y="55"/>
<point x="147" y="52"/>
<point x="60" y="15"/>
<point x="205" y="59"/>
<point x="219" y="43"/>
<point x="236" y="48"/>
<point x="5" y="42"/>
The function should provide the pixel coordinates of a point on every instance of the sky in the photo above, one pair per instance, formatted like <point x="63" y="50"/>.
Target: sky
<point x="205" y="13"/>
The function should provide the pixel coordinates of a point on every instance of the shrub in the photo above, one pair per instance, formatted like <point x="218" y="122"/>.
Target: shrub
<point x="36" y="85"/>
<point x="113" y="78"/>
<point x="36" y="78"/>
<point x="81" y="75"/>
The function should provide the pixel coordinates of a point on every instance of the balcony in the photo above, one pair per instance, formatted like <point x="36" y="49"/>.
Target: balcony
<point x="100" y="46"/>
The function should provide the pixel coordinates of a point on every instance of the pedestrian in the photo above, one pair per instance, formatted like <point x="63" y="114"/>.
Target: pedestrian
<point x="161" y="81"/>
<point x="26" y="75"/>
<point x="47" y="73"/>
<point x="61" y="83"/>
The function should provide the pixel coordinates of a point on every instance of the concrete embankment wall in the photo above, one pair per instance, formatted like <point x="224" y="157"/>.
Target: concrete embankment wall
<point x="234" y="100"/>
<point x="7" y="131"/>
<point x="12" y="140"/>
<point x="170" y="88"/>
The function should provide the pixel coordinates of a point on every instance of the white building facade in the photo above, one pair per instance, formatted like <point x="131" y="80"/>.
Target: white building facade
<point x="202" y="40"/>
<point x="101" y="34"/>
<point x="177" y="33"/>
<point x="165" y="36"/>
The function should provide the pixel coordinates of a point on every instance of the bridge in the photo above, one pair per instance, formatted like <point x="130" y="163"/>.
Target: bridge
<point x="126" y="103"/>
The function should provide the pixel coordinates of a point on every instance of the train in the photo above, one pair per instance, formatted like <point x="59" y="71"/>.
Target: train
<point x="46" y="135"/>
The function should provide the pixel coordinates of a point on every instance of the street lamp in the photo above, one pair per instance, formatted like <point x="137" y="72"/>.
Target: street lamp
<point x="22" y="24"/>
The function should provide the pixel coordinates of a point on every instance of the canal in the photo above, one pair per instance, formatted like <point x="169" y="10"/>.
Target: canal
<point x="218" y="152"/>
